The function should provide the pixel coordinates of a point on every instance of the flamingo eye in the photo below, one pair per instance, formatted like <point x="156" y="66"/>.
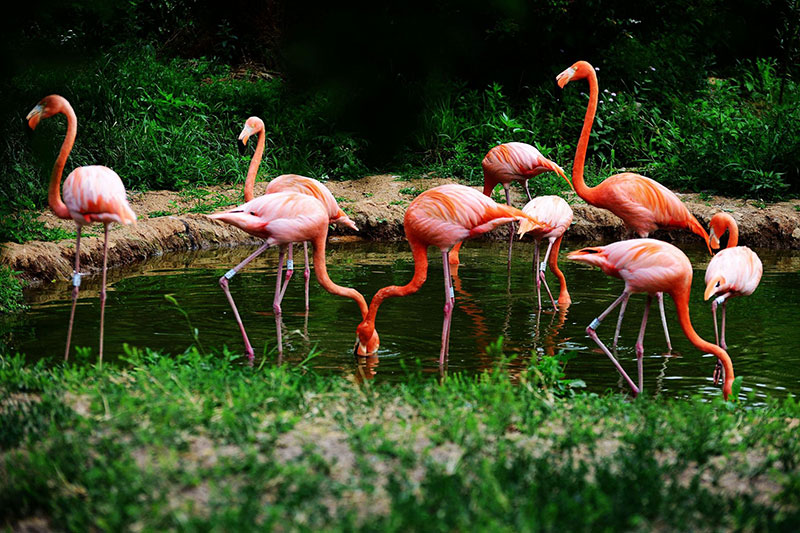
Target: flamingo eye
<point x="253" y="213"/>
<point x="591" y="251"/>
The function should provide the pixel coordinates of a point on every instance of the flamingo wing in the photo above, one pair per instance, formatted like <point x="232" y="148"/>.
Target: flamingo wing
<point x="96" y="194"/>
<point x="312" y="187"/>
<point x="736" y="270"/>
<point x="553" y="212"/>
<point x="517" y="161"/>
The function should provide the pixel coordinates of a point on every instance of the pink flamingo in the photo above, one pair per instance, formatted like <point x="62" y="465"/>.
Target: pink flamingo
<point x="288" y="182"/>
<point x="441" y="217"/>
<point x="734" y="271"/>
<point x="91" y="194"/>
<point x="643" y="204"/>
<point x="652" y="267"/>
<point x="555" y="214"/>
<point x="281" y="218"/>
<point x="504" y="164"/>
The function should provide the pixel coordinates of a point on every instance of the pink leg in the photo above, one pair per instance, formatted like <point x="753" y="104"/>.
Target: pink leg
<point x="527" y="191"/>
<point x="542" y="268"/>
<point x="103" y="291"/>
<point x="289" y="272"/>
<point x="307" y="271"/>
<point x="591" y="331"/>
<point x="279" y="336"/>
<point x="513" y="226"/>
<point x="718" y="371"/>
<point x="223" y="282"/>
<point x="276" y="301"/>
<point x="536" y="273"/>
<point x="640" y="343"/>
<point x="660" y="296"/>
<point x="76" y="283"/>
<point x="619" y="320"/>
<point x="723" y="344"/>
<point x="449" y="302"/>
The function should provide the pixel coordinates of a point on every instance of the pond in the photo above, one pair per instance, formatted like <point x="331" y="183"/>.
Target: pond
<point x="490" y="302"/>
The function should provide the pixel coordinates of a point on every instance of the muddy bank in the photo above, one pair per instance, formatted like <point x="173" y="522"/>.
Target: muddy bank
<point x="171" y="221"/>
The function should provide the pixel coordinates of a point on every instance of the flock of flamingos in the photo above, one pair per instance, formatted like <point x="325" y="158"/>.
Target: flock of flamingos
<point x="298" y="209"/>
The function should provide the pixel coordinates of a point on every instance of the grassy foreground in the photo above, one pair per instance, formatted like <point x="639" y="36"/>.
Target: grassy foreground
<point x="201" y="442"/>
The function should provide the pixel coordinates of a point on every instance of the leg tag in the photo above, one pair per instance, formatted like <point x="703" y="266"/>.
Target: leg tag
<point x="76" y="279"/>
<point x="230" y="273"/>
<point x="595" y="324"/>
<point x="543" y="266"/>
<point x="719" y="300"/>
<point x="452" y="292"/>
<point x="290" y="265"/>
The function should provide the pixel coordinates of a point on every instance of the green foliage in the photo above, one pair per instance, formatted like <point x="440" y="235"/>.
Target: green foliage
<point x="10" y="291"/>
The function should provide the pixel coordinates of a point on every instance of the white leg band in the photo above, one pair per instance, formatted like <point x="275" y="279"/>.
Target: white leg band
<point x="289" y="265"/>
<point x="595" y="324"/>
<point x="76" y="279"/>
<point x="452" y="293"/>
<point x="230" y="273"/>
<point x="543" y="266"/>
<point x="719" y="300"/>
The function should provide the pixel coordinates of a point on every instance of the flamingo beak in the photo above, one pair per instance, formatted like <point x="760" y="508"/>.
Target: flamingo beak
<point x="243" y="137"/>
<point x="713" y="239"/>
<point x="712" y="286"/>
<point x="34" y="116"/>
<point x="565" y="77"/>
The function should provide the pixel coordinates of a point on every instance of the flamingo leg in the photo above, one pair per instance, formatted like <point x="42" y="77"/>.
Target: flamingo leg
<point x="513" y="225"/>
<point x="449" y="302"/>
<point x="103" y="291"/>
<point x="640" y="343"/>
<point x="718" y="370"/>
<point x="289" y="273"/>
<point x="276" y="301"/>
<point x="542" y="268"/>
<point x="660" y="296"/>
<point x="279" y="336"/>
<point x="536" y="272"/>
<point x="76" y="283"/>
<point x="723" y="344"/>
<point x="619" y="320"/>
<point x="307" y="271"/>
<point x="591" y="331"/>
<point x="527" y="191"/>
<point x="223" y="282"/>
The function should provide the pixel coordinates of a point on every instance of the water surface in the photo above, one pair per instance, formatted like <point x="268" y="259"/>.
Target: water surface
<point x="490" y="302"/>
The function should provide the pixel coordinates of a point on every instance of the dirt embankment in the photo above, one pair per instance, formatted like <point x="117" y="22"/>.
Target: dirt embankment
<point x="171" y="221"/>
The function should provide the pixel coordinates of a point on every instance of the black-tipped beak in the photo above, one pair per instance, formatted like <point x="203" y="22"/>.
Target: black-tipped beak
<point x="241" y="145"/>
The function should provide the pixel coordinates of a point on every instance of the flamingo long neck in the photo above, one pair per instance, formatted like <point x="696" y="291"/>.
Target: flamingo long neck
<point x="321" y="271"/>
<point x="583" y="142"/>
<point x="563" y="295"/>
<point x="733" y="235"/>
<point x="252" y="171"/>
<point x="54" y="191"/>
<point x="681" y="299"/>
<point x="420" y="252"/>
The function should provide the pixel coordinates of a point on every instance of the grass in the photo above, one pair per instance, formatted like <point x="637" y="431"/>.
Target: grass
<point x="201" y="441"/>
<point x="10" y="291"/>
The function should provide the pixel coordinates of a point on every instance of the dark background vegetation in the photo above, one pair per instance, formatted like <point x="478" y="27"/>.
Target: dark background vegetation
<point x="698" y="95"/>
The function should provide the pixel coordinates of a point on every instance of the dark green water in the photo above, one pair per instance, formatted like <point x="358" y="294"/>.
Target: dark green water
<point x="762" y="335"/>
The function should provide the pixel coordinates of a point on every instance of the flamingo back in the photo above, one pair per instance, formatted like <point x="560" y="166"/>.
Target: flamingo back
<point x="553" y="212"/>
<point x="736" y="270"/>
<point x="96" y="194"/>
<point x="450" y="213"/>
<point x="516" y="161"/>
<point x="312" y="187"/>
<point x="645" y="265"/>
<point x="644" y="204"/>
<point x="280" y="218"/>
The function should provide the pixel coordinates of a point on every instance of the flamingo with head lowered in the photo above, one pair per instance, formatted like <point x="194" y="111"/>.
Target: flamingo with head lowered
<point x="644" y="205"/>
<point x="91" y="194"/>
<point x="289" y="182"/>
<point x="440" y="217"/>
<point x="652" y="267"/>
<point x="281" y="218"/>
<point x="734" y="271"/>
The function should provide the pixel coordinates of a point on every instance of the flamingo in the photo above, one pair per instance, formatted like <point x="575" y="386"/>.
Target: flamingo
<point x="281" y="218"/>
<point x="288" y="182"/>
<point x="441" y="217"/>
<point x="506" y="163"/>
<point x="556" y="215"/>
<point x="649" y="266"/>
<point x="734" y="271"/>
<point x="643" y="204"/>
<point x="91" y="194"/>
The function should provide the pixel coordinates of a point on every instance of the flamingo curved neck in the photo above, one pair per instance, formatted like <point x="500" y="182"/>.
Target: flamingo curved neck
<point x="682" y="304"/>
<point x="321" y="271"/>
<point x="420" y="252"/>
<point x="583" y="142"/>
<point x="252" y="170"/>
<point x="54" y="190"/>
<point x="563" y="295"/>
<point x="733" y="235"/>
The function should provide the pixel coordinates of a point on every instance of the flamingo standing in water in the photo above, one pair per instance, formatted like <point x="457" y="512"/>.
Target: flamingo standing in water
<point x="281" y="218"/>
<point x="441" y="217"/>
<point x="644" y="205"/>
<point x="652" y="267"/>
<point x="91" y="194"/>
<point x="504" y="164"/>
<point x="734" y="271"/>
<point x="288" y="182"/>
<point x="555" y="214"/>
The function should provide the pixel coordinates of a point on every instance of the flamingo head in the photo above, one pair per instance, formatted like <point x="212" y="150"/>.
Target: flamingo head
<point x="343" y="220"/>
<point x="713" y="287"/>
<point x="46" y="108"/>
<point x="591" y="256"/>
<point x="720" y="223"/>
<point x="367" y="342"/>
<point x="578" y="71"/>
<point x="252" y="126"/>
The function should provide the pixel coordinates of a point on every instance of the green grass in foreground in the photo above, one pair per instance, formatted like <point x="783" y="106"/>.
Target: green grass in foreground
<point x="201" y="441"/>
